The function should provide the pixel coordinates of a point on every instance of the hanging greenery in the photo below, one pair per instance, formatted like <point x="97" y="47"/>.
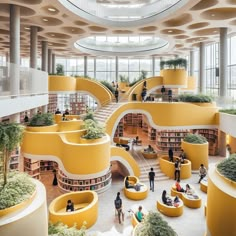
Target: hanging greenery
<point x="195" y="138"/>
<point x="178" y="63"/>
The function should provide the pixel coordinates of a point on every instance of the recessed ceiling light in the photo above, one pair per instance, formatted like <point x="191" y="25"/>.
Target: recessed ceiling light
<point x="52" y="35"/>
<point x="27" y="28"/>
<point x="72" y="30"/>
<point x="170" y="31"/>
<point x="44" y="19"/>
<point x="51" y="9"/>
<point x="212" y="14"/>
<point x="215" y="31"/>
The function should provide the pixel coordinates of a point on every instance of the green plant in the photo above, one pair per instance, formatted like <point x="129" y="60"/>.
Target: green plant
<point x="59" y="229"/>
<point x="143" y="75"/>
<point x="179" y="63"/>
<point x="60" y="69"/>
<point x="227" y="167"/>
<point x="44" y="119"/>
<point x="18" y="188"/>
<point x="93" y="129"/>
<point x="10" y="137"/>
<point x="154" y="225"/>
<point x="195" y="138"/>
<point x="89" y="116"/>
<point x="108" y="85"/>
<point x="229" y="111"/>
<point x="124" y="78"/>
<point x="201" y="98"/>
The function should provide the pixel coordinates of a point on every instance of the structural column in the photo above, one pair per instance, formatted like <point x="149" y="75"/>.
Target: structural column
<point x="191" y="63"/>
<point x="95" y="67"/>
<point x="153" y="66"/>
<point x="44" y="55"/>
<point x="223" y="55"/>
<point x="53" y="63"/>
<point x="202" y="62"/>
<point x="117" y="68"/>
<point x="33" y="46"/>
<point x="50" y="61"/>
<point x="85" y="66"/>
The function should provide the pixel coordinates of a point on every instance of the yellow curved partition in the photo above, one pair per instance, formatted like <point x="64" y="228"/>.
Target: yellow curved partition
<point x="85" y="205"/>
<point x="124" y="157"/>
<point x="71" y="84"/>
<point x="164" y="115"/>
<point x="168" y="168"/>
<point x="221" y="205"/>
<point x="191" y="84"/>
<point x="170" y="211"/>
<point x="67" y="150"/>
<point x="152" y="84"/>
<point x="175" y="77"/>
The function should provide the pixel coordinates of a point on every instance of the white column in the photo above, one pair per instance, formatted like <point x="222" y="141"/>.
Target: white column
<point x="53" y="63"/>
<point x="50" y="61"/>
<point x="44" y="55"/>
<point x="33" y="46"/>
<point x="153" y="66"/>
<point x="202" y="62"/>
<point x="191" y="63"/>
<point x="85" y="66"/>
<point x="117" y="69"/>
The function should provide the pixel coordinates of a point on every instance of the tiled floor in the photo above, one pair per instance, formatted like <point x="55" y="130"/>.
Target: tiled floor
<point x="192" y="222"/>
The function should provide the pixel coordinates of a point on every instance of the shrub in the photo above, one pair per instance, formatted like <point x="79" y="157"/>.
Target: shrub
<point x="229" y="111"/>
<point x="59" y="229"/>
<point x="93" y="129"/>
<point x="195" y="138"/>
<point x="18" y="188"/>
<point x="174" y="64"/>
<point x="108" y="85"/>
<point x="154" y="225"/>
<point x="227" y="167"/>
<point x="44" y="119"/>
<point x="195" y="98"/>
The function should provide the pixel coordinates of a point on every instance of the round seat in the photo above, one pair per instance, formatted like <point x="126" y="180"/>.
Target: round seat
<point x="172" y="211"/>
<point x="192" y="202"/>
<point x="85" y="209"/>
<point x="149" y="155"/>
<point x="204" y="185"/>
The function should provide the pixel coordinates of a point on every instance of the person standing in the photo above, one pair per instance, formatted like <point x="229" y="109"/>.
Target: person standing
<point x="116" y="94"/>
<point x="170" y="95"/>
<point x="151" y="175"/>
<point x="171" y="155"/>
<point x="163" y="90"/>
<point x="118" y="206"/>
<point x="26" y="118"/>
<point x="202" y="172"/>
<point x="177" y="169"/>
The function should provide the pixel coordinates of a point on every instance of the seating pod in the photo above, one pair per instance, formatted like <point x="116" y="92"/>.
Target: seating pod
<point x="85" y="205"/>
<point x="172" y="211"/>
<point x="131" y="193"/>
<point x="149" y="155"/>
<point x="203" y="185"/>
<point x="134" y="209"/>
<point x="168" y="168"/>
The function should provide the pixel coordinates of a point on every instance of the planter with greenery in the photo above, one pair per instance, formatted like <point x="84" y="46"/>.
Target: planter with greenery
<point x="228" y="111"/>
<point x="60" y="69"/>
<point x="108" y="86"/>
<point x="195" y="147"/>
<point x="154" y="225"/>
<point x="178" y="63"/>
<point x="227" y="168"/>
<point x="195" y="98"/>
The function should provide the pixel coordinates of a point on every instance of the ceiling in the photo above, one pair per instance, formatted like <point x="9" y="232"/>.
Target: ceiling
<point x="194" y="22"/>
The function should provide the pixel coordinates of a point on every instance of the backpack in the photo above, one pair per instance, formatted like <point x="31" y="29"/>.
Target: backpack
<point x="118" y="203"/>
<point x="137" y="187"/>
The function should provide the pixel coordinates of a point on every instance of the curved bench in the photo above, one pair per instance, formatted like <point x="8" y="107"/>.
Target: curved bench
<point x="168" y="168"/>
<point x="134" y="209"/>
<point x="85" y="205"/>
<point x="171" y="211"/>
<point x="131" y="193"/>
<point x="149" y="155"/>
<point x="204" y="185"/>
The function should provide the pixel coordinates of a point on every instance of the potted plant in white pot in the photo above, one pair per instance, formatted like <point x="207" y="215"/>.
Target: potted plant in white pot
<point x="195" y="147"/>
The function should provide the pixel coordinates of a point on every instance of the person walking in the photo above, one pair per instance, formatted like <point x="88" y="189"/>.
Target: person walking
<point x="116" y="95"/>
<point x="151" y="175"/>
<point x="202" y="172"/>
<point x="118" y="206"/>
<point x="171" y="154"/>
<point x="177" y="169"/>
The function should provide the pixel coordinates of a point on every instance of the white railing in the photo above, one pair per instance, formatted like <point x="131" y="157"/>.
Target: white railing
<point x="21" y="81"/>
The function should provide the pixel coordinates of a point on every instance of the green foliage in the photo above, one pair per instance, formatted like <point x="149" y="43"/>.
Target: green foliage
<point x="18" y="188"/>
<point x="134" y="82"/>
<point x="195" y="138"/>
<point x="44" y="119"/>
<point x="93" y="129"/>
<point x="201" y="98"/>
<point x="142" y="76"/>
<point x="227" y="167"/>
<point x="229" y="111"/>
<point x="154" y="225"/>
<point x="60" y="69"/>
<point x="108" y="85"/>
<point x="89" y="116"/>
<point x="124" y="78"/>
<point x="59" y="229"/>
<point x="178" y="63"/>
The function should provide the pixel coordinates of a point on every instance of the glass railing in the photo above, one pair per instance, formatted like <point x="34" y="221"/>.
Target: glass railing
<point x="21" y="81"/>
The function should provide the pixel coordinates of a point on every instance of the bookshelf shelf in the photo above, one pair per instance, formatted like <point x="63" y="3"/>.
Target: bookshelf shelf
<point x="32" y="167"/>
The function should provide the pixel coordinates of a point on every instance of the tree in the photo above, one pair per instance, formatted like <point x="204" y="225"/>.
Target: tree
<point x="60" y="69"/>
<point x="10" y="137"/>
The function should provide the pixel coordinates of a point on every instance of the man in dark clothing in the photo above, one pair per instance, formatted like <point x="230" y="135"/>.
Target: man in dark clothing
<point x="177" y="169"/>
<point x="163" y="90"/>
<point x="118" y="206"/>
<point x="171" y="154"/>
<point x="151" y="179"/>
<point x="116" y="94"/>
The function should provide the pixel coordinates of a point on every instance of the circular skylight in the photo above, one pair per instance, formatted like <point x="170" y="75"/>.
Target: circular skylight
<point x="123" y="12"/>
<point x="122" y="45"/>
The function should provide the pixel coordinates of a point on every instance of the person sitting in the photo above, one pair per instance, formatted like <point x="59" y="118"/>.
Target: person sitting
<point x="127" y="183"/>
<point x="182" y="156"/>
<point x="190" y="192"/>
<point x="70" y="206"/>
<point x="202" y="172"/>
<point x="136" y="140"/>
<point x="178" y="187"/>
<point x="149" y="149"/>
<point x="165" y="199"/>
<point x="66" y="112"/>
<point x="139" y="214"/>
<point x="58" y="111"/>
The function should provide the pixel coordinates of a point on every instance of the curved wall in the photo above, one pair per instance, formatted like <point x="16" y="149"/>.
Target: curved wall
<point x="175" y="78"/>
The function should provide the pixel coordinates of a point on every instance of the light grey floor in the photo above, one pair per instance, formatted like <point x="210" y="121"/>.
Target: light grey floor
<point x="192" y="222"/>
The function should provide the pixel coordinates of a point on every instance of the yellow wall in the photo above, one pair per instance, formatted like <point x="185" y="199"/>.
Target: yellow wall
<point x="232" y="143"/>
<point x="174" y="77"/>
<point x="58" y="83"/>
<point x="221" y="205"/>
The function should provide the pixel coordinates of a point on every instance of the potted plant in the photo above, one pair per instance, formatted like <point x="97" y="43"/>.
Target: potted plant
<point x="94" y="130"/>
<point x="178" y="63"/>
<point x="60" y="69"/>
<point x="195" y="147"/>
<point x="154" y="225"/>
<point x="201" y="99"/>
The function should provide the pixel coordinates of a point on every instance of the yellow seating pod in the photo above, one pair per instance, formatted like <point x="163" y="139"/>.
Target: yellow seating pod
<point x="172" y="211"/>
<point x="168" y="168"/>
<point x="203" y="185"/>
<point x="85" y="209"/>
<point x="131" y="193"/>
<point x="149" y="155"/>
<point x="134" y="209"/>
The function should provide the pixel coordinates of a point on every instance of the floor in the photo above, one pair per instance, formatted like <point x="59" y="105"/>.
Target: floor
<point x="192" y="222"/>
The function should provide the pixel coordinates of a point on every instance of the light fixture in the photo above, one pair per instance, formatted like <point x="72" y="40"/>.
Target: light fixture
<point x="72" y="30"/>
<point x="170" y="31"/>
<point x="52" y="35"/>
<point x="44" y="19"/>
<point x="212" y="14"/>
<point x="215" y="31"/>
<point x="27" y="28"/>
<point x="51" y="9"/>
